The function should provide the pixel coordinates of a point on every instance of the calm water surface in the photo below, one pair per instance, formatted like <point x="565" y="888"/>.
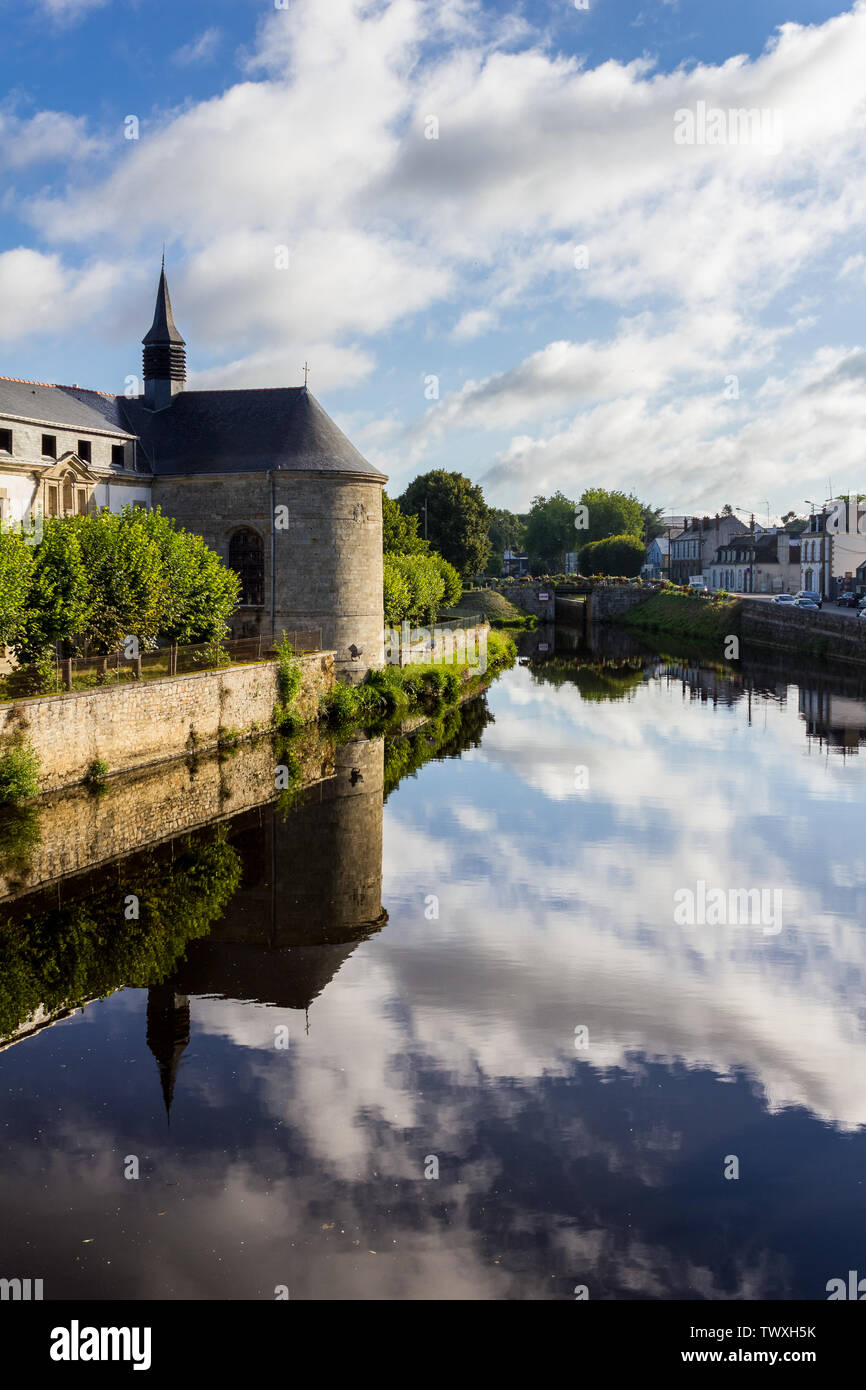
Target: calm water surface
<point x="426" y="966"/>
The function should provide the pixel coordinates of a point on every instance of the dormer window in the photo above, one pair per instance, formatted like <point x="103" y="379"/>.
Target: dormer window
<point x="118" y="456"/>
<point x="49" y="446"/>
<point x="83" y="450"/>
<point x="5" y="441"/>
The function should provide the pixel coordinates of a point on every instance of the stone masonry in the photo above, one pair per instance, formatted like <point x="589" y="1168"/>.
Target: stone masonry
<point x="141" y="722"/>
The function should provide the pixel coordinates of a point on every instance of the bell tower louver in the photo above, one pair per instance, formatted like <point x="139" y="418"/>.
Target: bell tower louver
<point x="164" y="355"/>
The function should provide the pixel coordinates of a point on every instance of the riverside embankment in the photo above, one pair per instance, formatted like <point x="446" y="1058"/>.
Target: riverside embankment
<point x="51" y="742"/>
<point x="822" y="635"/>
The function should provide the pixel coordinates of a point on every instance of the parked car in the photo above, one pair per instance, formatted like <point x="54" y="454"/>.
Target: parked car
<point x="847" y="600"/>
<point x="862" y="615"/>
<point x="806" y="603"/>
<point x="811" y="595"/>
<point x="784" y="598"/>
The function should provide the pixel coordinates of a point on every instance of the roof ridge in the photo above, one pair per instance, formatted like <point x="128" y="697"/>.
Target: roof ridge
<point x="60" y="386"/>
<point x="239" y="390"/>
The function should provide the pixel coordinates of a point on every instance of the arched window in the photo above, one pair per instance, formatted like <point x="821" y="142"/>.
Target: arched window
<point x="247" y="558"/>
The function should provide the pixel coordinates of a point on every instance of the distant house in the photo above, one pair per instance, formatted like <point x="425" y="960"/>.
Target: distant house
<point x="514" y="564"/>
<point x="694" y="549"/>
<point x="831" y="559"/>
<point x="766" y="563"/>
<point x="658" y="558"/>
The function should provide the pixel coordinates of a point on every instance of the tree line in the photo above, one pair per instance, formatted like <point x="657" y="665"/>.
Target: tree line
<point x="95" y="580"/>
<point x="607" y="530"/>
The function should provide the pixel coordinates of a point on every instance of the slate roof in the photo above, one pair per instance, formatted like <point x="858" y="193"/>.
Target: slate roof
<point x="67" y="407"/>
<point x="283" y="428"/>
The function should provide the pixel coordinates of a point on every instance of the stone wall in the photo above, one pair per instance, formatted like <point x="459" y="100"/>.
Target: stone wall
<point x="78" y="829"/>
<point x="141" y="722"/>
<point x="609" y="601"/>
<point x="408" y="645"/>
<point x="833" y="635"/>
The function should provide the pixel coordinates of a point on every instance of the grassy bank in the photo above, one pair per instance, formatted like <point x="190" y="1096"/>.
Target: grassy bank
<point x="498" y="610"/>
<point x="395" y="692"/>
<point x="688" y="616"/>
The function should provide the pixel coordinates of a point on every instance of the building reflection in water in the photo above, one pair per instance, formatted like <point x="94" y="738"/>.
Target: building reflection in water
<point x="311" y="891"/>
<point x="832" y="704"/>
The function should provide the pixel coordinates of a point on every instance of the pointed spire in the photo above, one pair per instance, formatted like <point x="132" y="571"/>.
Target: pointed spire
<point x="167" y="1035"/>
<point x="164" y="356"/>
<point x="163" y="329"/>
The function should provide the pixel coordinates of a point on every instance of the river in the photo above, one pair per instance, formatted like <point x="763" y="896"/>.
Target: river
<point x="438" y="1029"/>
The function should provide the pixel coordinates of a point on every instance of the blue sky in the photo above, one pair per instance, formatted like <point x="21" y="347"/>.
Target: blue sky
<point x="708" y="348"/>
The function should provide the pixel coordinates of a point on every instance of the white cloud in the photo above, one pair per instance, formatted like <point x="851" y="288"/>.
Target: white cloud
<point x="473" y="323"/>
<point x="70" y="11"/>
<point x="47" y="136"/>
<point x="322" y="149"/>
<point x="40" y="295"/>
<point x="200" y="50"/>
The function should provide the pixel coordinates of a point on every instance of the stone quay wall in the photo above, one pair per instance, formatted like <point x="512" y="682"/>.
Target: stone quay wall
<point x="408" y="645"/>
<point x="141" y="722"/>
<point x="609" y="601"/>
<point x="78" y="831"/>
<point x="832" y="635"/>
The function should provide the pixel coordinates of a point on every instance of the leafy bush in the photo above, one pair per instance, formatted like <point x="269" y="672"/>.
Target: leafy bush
<point x="616" y="555"/>
<point x="451" y="579"/>
<point x="425" y="584"/>
<point x="16" y="565"/>
<point x="94" y="580"/>
<point x="397" y="594"/>
<point x="289" y="677"/>
<point x="19" y="773"/>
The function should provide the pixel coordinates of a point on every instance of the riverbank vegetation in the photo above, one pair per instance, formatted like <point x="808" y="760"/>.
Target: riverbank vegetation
<point x="56" y="957"/>
<point x="692" y="617"/>
<point x="95" y="581"/>
<point x="400" y="691"/>
<point x="446" y="734"/>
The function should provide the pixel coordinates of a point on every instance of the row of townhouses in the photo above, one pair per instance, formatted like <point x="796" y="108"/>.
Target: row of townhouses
<point x="828" y="557"/>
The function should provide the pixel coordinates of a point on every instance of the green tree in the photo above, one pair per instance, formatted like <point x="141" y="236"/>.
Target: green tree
<point x="653" y="523"/>
<point x="425" y="582"/>
<point x="614" y="555"/>
<point x="457" y="518"/>
<point x="201" y="592"/>
<point x="451" y="579"/>
<point x="397" y="594"/>
<point x="794" y="523"/>
<point x="608" y="513"/>
<point x="130" y="587"/>
<point x="550" y="531"/>
<point x="60" y="593"/>
<point x="505" y="531"/>
<point x="400" y="532"/>
<point x="16" y="566"/>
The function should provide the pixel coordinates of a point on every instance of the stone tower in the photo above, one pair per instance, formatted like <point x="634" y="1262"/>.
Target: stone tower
<point x="269" y="482"/>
